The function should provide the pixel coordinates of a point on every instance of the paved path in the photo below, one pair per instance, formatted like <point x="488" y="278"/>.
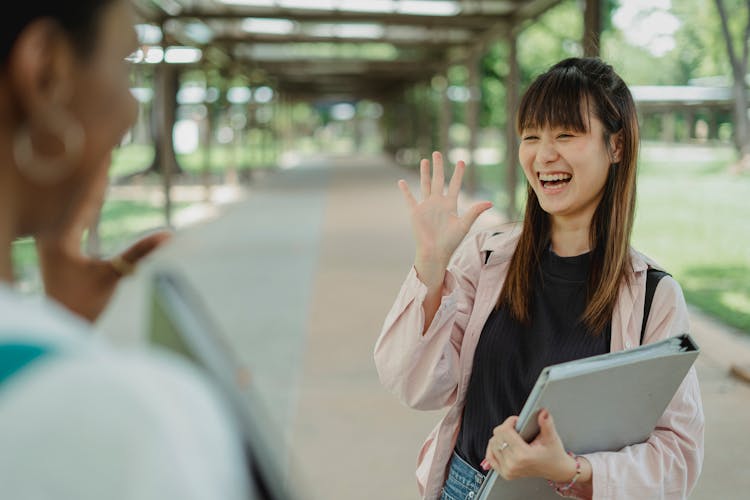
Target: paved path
<point x="299" y="275"/>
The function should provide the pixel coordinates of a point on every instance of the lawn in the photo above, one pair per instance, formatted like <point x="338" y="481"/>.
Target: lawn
<point x="123" y="221"/>
<point x="692" y="217"/>
<point x="135" y="158"/>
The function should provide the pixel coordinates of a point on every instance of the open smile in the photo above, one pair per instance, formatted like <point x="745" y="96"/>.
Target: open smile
<point x="554" y="181"/>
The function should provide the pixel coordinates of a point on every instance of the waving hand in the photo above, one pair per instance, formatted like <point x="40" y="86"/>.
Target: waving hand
<point x="438" y="228"/>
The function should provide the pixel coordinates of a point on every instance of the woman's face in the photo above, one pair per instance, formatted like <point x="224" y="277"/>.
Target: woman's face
<point x="567" y="169"/>
<point x="101" y="102"/>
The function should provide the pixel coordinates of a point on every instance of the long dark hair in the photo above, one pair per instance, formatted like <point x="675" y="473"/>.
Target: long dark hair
<point x="80" y="19"/>
<point x="559" y="98"/>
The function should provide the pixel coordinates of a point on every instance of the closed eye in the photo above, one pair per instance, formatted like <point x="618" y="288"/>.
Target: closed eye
<point x="530" y="138"/>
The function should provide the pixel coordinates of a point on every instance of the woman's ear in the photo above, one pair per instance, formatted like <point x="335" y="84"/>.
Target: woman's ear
<point x="41" y="65"/>
<point x="615" y="147"/>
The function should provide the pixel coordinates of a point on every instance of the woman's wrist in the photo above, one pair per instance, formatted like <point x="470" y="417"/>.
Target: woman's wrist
<point x="579" y="483"/>
<point x="567" y="470"/>
<point x="430" y="270"/>
<point x="576" y="483"/>
<point x="587" y="472"/>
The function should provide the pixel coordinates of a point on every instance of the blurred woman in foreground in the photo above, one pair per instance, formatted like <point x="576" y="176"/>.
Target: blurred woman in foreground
<point x="79" y="420"/>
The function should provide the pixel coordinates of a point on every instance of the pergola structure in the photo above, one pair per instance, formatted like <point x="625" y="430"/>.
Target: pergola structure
<point x="386" y="47"/>
<point x="668" y="101"/>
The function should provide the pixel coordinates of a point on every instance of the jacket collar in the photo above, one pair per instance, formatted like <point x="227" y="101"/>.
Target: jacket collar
<point x="501" y="243"/>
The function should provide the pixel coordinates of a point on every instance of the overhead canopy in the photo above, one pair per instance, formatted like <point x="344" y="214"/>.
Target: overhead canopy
<point x="664" y="97"/>
<point x="337" y="48"/>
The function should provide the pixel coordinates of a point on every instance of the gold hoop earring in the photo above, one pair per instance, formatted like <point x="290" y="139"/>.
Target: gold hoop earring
<point x="56" y="122"/>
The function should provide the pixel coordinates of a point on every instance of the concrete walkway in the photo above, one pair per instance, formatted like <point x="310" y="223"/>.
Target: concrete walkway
<point x="299" y="275"/>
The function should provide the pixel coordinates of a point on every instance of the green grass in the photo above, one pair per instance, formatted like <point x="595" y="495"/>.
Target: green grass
<point x="123" y="221"/>
<point x="224" y="157"/>
<point x="692" y="218"/>
<point x="131" y="159"/>
<point x="135" y="158"/>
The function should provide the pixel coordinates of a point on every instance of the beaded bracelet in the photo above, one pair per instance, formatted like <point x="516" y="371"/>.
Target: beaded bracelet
<point x="562" y="489"/>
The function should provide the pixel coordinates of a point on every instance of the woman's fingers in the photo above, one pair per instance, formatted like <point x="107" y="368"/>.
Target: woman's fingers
<point x="474" y="212"/>
<point x="143" y="247"/>
<point x="434" y="182"/>
<point x="404" y="187"/>
<point x="424" y="178"/>
<point x="455" y="185"/>
<point x="491" y="461"/>
<point x="438" y="173"/>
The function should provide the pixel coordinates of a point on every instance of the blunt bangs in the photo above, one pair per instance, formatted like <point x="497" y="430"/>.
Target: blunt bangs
<point x="557" y="99"/>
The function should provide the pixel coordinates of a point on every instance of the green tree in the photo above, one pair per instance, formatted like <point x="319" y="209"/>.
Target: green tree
<point x="738" y="50"/>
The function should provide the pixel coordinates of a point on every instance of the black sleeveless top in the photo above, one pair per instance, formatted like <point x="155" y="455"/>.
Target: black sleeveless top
<point x="509" y="357"/>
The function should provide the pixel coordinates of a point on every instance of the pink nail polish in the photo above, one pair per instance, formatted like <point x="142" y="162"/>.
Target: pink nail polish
<point x="485" y="465"/>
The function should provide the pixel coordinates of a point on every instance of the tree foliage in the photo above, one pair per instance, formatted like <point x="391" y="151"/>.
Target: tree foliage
<point x="699" y="49"/>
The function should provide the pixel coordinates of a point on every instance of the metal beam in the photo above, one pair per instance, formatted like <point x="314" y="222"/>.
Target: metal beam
<point x="301" y="38"/>
<point x="365" y="68"/>
<point x="475" y="22"/>
<point x="311" y="92"/>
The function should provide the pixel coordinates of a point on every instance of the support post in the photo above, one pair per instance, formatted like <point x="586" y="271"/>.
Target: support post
<point x="472" y="119"/>
<point x="592" y="27"/>
<point x="511" y="140"/>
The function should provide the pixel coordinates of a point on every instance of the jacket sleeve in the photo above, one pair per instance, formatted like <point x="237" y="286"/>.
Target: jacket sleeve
<point x="668" y="464"/>
<point x="423" y="370"/>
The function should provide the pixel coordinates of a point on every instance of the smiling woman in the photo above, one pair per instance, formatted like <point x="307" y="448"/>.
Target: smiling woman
<point x="480" y="316"/>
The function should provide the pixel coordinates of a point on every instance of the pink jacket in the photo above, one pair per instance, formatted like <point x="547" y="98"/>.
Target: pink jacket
<point x="431" y="372"/>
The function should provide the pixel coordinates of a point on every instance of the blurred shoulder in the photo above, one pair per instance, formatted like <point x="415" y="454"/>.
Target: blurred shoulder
<point x="36" y="318"/>
<point x="144" y="412"/>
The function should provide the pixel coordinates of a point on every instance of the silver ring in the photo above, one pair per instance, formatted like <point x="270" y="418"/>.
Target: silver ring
<point x="502" y="447"/>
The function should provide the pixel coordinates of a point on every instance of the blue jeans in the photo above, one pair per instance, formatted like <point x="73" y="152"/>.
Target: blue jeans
<point x="463" y="480"/>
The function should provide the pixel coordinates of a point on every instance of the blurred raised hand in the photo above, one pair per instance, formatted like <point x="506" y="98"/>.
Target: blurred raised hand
<point x="85" y="284"/>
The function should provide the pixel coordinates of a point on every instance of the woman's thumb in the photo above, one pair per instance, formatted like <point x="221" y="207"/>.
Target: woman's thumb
<point x="475" y="211"/>
<point x="546" y="424"/>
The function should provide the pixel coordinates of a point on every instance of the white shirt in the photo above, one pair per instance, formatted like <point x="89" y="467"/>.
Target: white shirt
<point x="88" y="421"/>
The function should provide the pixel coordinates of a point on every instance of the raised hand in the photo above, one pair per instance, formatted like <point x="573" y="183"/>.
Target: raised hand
<point x="438" y="228"/>
<point x="82" y="283"/>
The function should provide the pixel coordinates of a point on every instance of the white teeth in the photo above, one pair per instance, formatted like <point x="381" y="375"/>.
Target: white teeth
<point x="554" y="177"/>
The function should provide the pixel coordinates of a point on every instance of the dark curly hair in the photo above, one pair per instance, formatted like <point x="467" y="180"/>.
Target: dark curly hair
<point x="79" y="19"/>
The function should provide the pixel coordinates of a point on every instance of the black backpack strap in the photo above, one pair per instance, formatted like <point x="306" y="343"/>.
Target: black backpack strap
<point x="652" y="279"/>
